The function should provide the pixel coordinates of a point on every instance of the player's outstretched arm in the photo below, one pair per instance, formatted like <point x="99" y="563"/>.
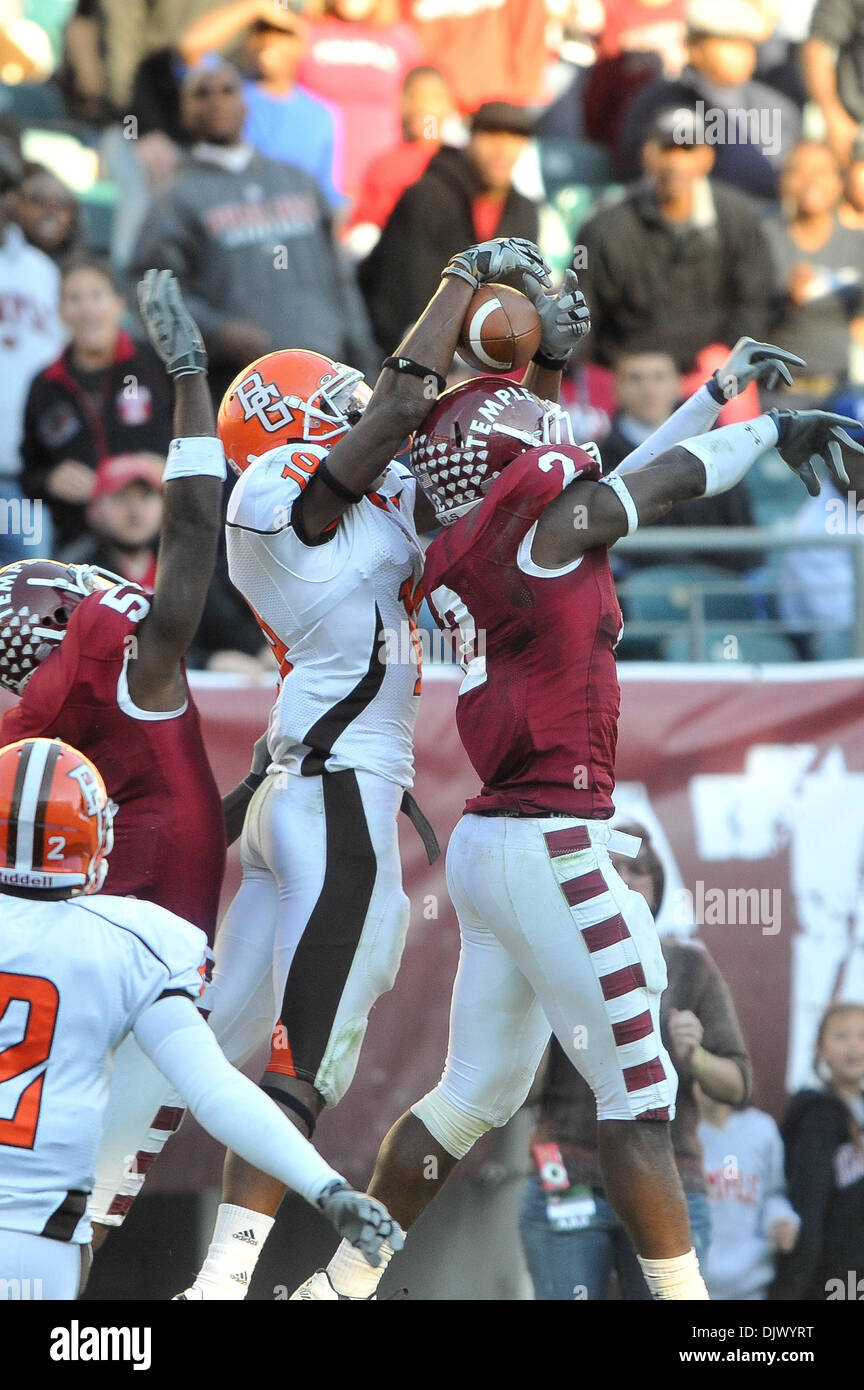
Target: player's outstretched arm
<point x="589" y="514"/>
<point x="407" y="389"/>
<point x="231" y="1108"/>
<point x="192" y="487"/>
<point x="748" y="362"/>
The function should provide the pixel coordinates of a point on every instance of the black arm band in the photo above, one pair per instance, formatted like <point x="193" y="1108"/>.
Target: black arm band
<point x="404" y="364"/>
<point x="341" y="491"/>
<point x="549" y="364"/>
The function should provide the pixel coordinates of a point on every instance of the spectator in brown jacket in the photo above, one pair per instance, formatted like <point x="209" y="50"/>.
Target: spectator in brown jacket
<point x="572" y="1238"/>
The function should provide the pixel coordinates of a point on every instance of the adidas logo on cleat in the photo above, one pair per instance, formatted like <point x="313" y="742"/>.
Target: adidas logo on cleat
<point x="248" y="1237"/>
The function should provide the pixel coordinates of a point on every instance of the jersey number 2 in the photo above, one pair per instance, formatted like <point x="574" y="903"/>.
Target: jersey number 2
<point x="34" y="1048"/>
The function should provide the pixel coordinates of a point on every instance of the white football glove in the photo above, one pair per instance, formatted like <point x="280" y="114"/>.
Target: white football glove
<point x="171" y="328"/>
<point x="359" y="1219"/>
<point x="489" y="260"/>
<point x="807" y="435"/>
<point x="751" y="361"/>
<point x="564" y="317"/>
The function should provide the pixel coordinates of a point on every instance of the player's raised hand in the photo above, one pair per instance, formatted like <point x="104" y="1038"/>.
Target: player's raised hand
<point x="171" y="328"/>
<point x="751" y="361"/>
<point x="363" y="1222"/>
<point x="564" y="317"/>
<point x="489" y="260"/>
<point x="806" y="436"/>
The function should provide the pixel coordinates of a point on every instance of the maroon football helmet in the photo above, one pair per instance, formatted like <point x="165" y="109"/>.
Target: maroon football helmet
<point x="471" y="434"/>
<point x="37" y="599"/>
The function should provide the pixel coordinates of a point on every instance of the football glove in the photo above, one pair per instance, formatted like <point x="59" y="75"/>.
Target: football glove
<point x="363" y="1222"/>
<point x="564" y="317"/>
<point x="805" y="436"/>
<point x="170" y="327"/>
<point x="502" y="256"/>
<point x="751" y="361"/>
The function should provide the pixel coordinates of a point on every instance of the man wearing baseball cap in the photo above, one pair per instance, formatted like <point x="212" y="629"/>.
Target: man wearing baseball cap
<point x="750" y="125"/>
<point x="124" y="515"/>
<point x="680" y="263"/>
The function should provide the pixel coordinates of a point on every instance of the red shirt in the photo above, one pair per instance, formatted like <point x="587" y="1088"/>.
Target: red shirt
<point x="486" y="211"/>
<point x="541" y="724"/>
<point x="489" y="50"/>
<point x="387" y="177"/>
<point x="360" y="69"/>
<point x="169" y="834"/>
<point x="635" y="28"/>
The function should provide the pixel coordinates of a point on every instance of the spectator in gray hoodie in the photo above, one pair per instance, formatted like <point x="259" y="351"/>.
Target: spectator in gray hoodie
<point x="251" y="242"/>
<point x="751" y="1216"/>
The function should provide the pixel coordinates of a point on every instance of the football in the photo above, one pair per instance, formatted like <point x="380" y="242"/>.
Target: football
<point x="501" y="331"/>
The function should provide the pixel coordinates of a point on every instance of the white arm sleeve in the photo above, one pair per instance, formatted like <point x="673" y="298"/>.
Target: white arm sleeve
<point x="226" y="1103"/>
<point x="694" y="417"/>
<point x="728" y="453"/>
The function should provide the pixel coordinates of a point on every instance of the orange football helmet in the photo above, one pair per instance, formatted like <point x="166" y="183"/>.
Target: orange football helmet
<point x="294" y="394"/>
<point x="56" y="819"/>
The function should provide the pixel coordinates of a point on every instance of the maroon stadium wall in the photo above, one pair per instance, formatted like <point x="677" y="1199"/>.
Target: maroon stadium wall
<point x="751" y="784"/>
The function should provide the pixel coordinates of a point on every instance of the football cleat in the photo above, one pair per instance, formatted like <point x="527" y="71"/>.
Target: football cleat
<point x="56" y="819"/>
<point x="288" y="396"/>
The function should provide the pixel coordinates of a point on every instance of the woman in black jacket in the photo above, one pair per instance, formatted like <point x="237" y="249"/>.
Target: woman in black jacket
<point x="824" y="1137"/>
<point x="106" y="395"/>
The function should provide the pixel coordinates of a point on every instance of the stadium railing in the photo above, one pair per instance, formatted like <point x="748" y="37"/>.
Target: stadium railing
<point x="699" y="599"/>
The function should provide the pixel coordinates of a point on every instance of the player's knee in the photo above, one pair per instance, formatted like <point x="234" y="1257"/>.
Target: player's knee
<point x="453" y="1128"/>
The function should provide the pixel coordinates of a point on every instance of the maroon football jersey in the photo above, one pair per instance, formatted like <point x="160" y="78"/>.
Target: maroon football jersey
<point x="538" y="709"/>
<point x="169" y="835"/>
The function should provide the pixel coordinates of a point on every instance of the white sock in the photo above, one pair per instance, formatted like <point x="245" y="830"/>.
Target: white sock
<point x="233" y="1254"/>
<point x="352" y="1275"/>
<point x="679" y="1278"/>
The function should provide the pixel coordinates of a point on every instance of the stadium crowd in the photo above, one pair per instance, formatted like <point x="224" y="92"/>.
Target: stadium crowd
<point x="307" y="167"/>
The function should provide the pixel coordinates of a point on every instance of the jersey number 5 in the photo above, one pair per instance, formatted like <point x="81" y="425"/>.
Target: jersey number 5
<point x="43" y="1001"/>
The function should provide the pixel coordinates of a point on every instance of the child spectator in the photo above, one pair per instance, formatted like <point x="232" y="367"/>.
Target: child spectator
<point x="824" y="1136"/>
<point x="751" y="1216"/>
<point x="106" y="395"/>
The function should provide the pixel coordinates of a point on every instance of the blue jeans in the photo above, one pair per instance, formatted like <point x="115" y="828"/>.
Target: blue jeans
<point x="569" y="1264"/>
<point x="26" y="531"/>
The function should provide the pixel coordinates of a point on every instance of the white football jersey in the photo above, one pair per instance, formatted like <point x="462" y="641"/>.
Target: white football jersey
<point x="74" y="978"/>
<point x="339" y="616"/>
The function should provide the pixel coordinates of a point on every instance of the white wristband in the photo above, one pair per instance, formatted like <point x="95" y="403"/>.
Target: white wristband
<point x="728" y="453"/>
<point x="198" y="457"/>
<point x="622" y="492"/>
